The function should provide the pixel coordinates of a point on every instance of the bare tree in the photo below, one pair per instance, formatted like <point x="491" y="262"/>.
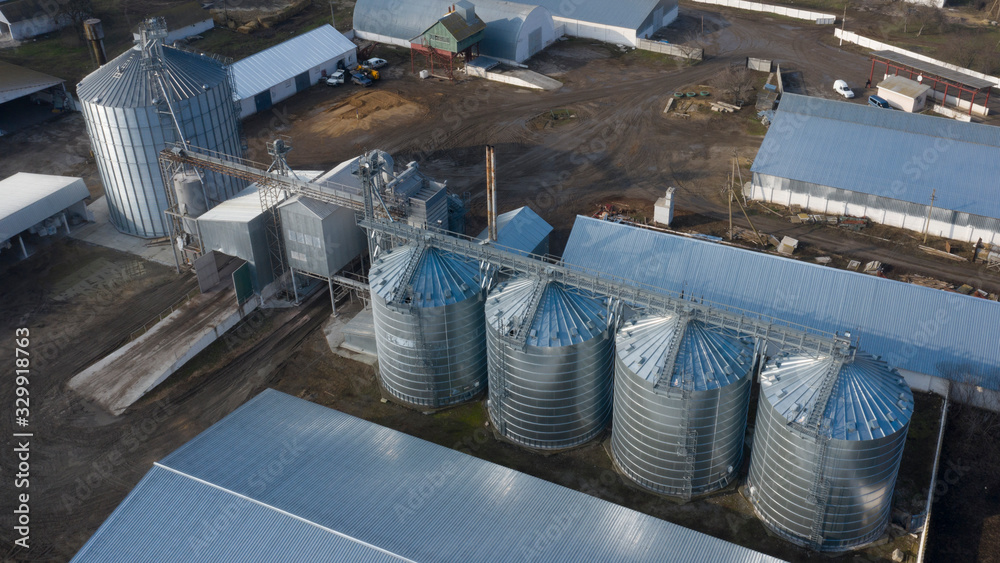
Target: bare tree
<point x="734" y="83"/>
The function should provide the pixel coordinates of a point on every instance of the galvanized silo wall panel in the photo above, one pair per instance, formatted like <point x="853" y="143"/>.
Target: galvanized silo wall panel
<point x="550" y="398"/>
<point x="451" y="367"/>
<point x="127" y="142"/>
<point x="647" y="439"/>
<point x="862" y="475"/>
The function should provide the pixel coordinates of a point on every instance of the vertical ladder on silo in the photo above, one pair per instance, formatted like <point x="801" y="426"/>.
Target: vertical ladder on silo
<point x="818" y="427"/>
<point x="519" y="334"/>
<point x="673" y="349"/>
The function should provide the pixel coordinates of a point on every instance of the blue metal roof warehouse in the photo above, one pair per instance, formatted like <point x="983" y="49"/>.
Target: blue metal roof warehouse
<point x="885" y="164"/>
<point x="923" y="330"/>
<point x="285" y="479"/>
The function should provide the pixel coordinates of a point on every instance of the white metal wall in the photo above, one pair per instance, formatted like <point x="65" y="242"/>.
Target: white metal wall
<point x="780" y="191"/>
<point x="605" y="33"/>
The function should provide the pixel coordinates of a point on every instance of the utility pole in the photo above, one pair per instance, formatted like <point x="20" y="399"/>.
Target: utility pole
<point x="927" y="222"/>
<point x="843" y="25"/>
<point x="333" y="19"/>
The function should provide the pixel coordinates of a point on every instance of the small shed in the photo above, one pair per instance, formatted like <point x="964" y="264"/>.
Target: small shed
<point x="237" y="227"/>
<point x="903" y="93"/>
<point x="277" y="73"/>
<point x="459" y="31"/>
<point x="522" y="231"/>
<point x="320" y="238"/>
<point x="456" y="31"/>
<point x="24" y="19"/>
<point x="39" y="204"/>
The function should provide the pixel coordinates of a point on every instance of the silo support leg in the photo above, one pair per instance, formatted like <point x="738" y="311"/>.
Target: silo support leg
<point x="333" y="300"/>
<point x="295" y="288"/>
<point x="65" y="222"/>
<point x="23" y="249"/>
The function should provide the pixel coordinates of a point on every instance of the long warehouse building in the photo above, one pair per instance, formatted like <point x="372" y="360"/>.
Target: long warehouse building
<point x="514" y="31"/>
<point x="933" y="337"/>
<point x="265" y="78"/>
<point x="392" y="497"/>
<point x="893" y="167"/>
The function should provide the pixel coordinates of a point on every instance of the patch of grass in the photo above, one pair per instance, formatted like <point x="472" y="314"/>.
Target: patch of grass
<point x="753" y="126"/>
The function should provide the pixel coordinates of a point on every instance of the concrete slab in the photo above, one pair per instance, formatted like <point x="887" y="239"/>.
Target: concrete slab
<point x="535" y="79"/>
<point x="334" y="331"/>
<point x="103" y="233"/>
<point x="130" y="372"/>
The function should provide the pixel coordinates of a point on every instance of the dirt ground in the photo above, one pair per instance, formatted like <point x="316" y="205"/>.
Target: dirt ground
<point x="619" y="147"/>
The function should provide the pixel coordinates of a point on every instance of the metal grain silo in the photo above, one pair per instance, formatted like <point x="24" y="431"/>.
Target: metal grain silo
<point x="551" y="362"/>
<point x="682" y="389"/>
<point x="135" y="104"/>
<point x="429" y="325"/>
<point x="829" y="437"/>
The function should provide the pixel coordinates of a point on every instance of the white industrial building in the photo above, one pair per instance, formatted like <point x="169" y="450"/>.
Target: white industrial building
<point x="39" y="205"/>
<point x="275" y="74"/>
<point x="24" y="19"/>
<point x="515" y="31"/>
<point x="903" y="93"/>
<point x="621" y="22"/>
<point x="840" y="158"/>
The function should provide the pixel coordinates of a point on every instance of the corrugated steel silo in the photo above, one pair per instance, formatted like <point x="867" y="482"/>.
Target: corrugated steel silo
<point x="682" y="389"/>
<point x="429" y="325"/>
<point x="133" y="106"/>
<point x="551" y="387"/>
<point x="829" y="437"/>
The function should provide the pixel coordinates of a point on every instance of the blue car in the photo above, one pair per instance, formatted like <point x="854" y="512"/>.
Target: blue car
<point x="360" y="79"/>
<point x="879" y="102"/>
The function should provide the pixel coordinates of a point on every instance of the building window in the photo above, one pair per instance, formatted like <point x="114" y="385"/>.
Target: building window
<point x="298" y="256"/>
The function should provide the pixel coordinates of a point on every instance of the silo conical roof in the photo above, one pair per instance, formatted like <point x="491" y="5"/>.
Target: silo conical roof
<point x="564" y="315"/>
<point x="708" y="358"/>
<point x="869" y="400"/>
<point x="438" y="279"/>
<point x="124" y="83"/>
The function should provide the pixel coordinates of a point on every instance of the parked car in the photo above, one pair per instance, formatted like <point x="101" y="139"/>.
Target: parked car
<point x="338" y="77"/>
<point x="360" y="79"/>
<point x="375" y="63"/>
<point x="879" y="102"/>
<point x="843" y="89"/>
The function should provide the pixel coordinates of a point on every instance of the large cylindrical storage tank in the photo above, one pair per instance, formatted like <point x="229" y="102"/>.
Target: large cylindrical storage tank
<point x="429" y="326"/>
<point x="550" y="389"/>
<point x="129" y="122"/>
<point x="682" y="390"/>
<point x="829" y="437"/>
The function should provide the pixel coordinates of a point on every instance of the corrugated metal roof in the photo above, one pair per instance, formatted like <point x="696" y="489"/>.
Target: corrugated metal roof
<point x="27" y="199"/>
<point x="242" y="528"/>
<point x="286" y="60"/>
<point x="19" y="81"/>
<point x="123" y="83"/>
<point x="891" y="154"/>
<point x="868" y="401"/>
<point x="629" y="14"/>
<point x="914" y="328"/>
<point x="250" y="483"/>
<point x="710" y="358"/>
<point x="245" y="206"/>
<point x="564" y="315"/>
<point x="521" y="230"/>
<point x="408" y="20"/>
<point x="461" y="29"/>
<point x="440" y="278"/>
<point x="941" y="71"/>
<point x="242" y="208"/>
